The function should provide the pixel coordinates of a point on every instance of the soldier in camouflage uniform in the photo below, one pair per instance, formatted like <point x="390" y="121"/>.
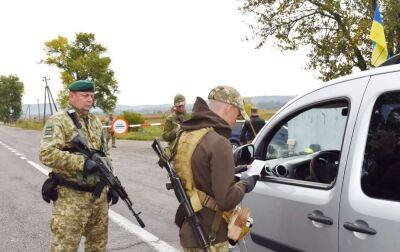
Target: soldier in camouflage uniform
<point x="204" y="162"/>
<point x="76" y="212"/>
<point x="110" y="132"/>
<point x="171" y="125"/>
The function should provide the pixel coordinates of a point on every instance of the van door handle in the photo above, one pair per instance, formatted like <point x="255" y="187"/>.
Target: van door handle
<point x="360" y="229"/>
<point x="318" y="216"/>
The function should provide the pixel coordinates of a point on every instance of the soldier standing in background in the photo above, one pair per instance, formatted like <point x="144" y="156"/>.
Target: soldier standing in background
<point x="110" y="132"/>
<point x="173" y="121"/>
<point x="254" y="125"/>
<point x="75" y="211"/>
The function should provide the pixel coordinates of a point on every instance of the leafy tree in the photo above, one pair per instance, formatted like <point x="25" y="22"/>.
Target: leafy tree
<point x="11" y="91"/>
<point x="336" y="31"/>
<point x="83" y="59"/>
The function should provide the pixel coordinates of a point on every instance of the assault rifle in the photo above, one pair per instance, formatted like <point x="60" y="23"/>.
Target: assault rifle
<point x="105" y="174"/>
<point x="180" y="194"/>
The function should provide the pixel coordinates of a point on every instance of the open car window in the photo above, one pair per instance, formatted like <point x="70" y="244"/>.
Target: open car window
<point x="307" y="146"/>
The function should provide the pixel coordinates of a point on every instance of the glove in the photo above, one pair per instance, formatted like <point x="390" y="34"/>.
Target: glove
<point x="90" y="167"/>
<point x="49" y="189"/>
<point x="250" y="182"/>
<point x="112" y="196"/>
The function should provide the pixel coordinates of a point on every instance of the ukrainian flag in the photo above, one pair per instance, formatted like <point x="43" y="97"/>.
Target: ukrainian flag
<point x="377" y="35"/>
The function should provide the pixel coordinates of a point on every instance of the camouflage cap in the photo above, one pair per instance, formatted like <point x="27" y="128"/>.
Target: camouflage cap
<point x="254" y="109"/>
<point x="229" y="95"/>
<point x="179" y="100"/>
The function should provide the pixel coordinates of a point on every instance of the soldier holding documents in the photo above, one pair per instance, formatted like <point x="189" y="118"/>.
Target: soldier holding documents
<point x="204" y="162"/>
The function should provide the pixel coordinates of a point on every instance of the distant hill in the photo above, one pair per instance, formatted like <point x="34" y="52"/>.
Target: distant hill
<point x="270" y="102"/>
<point x="262" y="102"/>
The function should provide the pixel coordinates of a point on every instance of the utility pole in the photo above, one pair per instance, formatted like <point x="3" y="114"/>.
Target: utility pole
<point x="48" y="96"/>
<point x="28" y="112"/>
<point x="38" y="109"/>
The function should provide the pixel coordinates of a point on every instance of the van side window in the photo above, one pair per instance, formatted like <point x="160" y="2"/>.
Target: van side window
<point x="380" y="176"/>
<point x="307" y="145"/>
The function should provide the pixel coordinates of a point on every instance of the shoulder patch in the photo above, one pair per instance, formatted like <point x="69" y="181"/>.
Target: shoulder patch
<point x="48" y="131"/>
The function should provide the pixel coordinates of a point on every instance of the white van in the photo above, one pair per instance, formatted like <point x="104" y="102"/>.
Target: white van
<point x="330" y="169"/>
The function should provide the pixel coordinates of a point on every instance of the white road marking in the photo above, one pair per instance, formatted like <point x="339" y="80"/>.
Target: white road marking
<point x="38" y="167"/>
<point x="23" y="158"/>
<point x="147" y="237"/>
<point x="120" y="220"/>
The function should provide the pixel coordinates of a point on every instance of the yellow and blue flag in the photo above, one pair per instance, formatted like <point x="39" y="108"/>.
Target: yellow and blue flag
<point x="377" y="35"/>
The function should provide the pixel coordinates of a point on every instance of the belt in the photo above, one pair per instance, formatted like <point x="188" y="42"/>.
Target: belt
<point x="75" y="186"/>
<point x="72" y="185"/>
<point x="207" y="201"/>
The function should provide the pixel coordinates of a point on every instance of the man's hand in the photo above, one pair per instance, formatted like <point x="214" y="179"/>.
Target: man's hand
<point x="112" y="196"/>
<point x="90" y="166"/>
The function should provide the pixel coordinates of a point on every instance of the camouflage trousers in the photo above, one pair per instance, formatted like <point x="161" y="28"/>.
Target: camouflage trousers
<point x="76" y="214"/>
<point x="219" y="247"/>
<point x="111" y="136"/>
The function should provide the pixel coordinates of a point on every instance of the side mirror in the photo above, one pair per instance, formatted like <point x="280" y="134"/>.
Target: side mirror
<point x="244" y="155"/>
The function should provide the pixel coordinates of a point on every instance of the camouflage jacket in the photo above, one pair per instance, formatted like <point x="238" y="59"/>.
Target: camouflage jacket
<point x="57" y="134"/>
<point x="170" y="125"/>
<point x="108" y="122"/>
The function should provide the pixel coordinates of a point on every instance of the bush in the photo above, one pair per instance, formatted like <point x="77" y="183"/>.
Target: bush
<point x="133" y="118"/>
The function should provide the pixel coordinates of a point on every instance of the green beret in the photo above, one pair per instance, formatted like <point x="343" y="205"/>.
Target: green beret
<point x="81" y="85"/>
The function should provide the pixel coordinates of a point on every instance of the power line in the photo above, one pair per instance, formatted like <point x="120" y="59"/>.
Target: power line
<point x="48" y="97"/>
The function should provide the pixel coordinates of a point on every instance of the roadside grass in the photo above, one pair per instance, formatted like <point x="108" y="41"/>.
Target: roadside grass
<point x="29" y="124"/>
<point x="142" y="134"/>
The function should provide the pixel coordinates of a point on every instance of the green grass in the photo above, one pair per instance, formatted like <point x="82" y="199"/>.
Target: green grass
<point x="143" y="134"/>
<point x="29" y="124"/>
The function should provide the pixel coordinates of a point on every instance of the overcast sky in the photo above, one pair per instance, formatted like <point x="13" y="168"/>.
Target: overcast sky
<point x="158" y="48"/>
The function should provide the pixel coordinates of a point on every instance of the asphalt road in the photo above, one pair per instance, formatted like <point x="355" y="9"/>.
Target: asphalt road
<point x="24" y="216"/>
